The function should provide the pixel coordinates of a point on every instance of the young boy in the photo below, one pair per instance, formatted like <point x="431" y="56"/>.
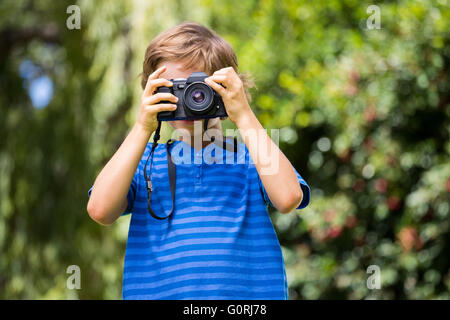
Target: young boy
<point x="219" y="242"/>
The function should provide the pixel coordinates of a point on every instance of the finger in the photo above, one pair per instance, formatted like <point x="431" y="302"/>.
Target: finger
<point x="161" y="107"/>
<point x="160" y="96"/>
<point x="218" y="77"/>
<point x="154" y="75"/>
<point x="222" y="79"/>
<point x="155" y="83"/>
<point x="224" y="70"/>
<point x="217" y="87"/>
<point x="157" y="72"/>
<point x="221" y="71"/>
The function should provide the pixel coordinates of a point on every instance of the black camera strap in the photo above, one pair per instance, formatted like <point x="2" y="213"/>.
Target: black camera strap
<point x="171" y="169"/>
<point x="172" y="174"/>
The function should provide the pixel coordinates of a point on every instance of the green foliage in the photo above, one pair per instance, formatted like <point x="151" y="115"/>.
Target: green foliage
<point x="364" y="117"/>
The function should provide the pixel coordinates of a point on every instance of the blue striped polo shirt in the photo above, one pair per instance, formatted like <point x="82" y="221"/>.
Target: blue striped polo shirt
<point x="219" y="243"/>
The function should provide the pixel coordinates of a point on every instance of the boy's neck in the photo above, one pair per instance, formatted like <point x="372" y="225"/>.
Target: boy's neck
<point x="194" y="140"/>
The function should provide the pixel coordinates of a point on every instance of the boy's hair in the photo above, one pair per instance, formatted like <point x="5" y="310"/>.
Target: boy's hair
<point x="199" y="47"/>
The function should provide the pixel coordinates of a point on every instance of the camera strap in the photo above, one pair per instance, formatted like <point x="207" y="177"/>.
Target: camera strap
<point x="171" y="169"/>
<point x="172" y="174"/>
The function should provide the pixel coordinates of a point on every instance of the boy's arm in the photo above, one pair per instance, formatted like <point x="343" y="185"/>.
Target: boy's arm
<point x="108" y="199"/>
<point x="275" y="170"/>
<point x="281" y="183"/>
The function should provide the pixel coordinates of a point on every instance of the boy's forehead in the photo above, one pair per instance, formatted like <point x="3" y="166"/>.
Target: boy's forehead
<point x="176" y="70"/>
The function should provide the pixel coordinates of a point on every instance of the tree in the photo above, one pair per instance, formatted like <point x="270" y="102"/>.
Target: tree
<point x="364" y="117"/>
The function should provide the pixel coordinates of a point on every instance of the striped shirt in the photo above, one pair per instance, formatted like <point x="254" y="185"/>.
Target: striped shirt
<point x="219" y="243"/>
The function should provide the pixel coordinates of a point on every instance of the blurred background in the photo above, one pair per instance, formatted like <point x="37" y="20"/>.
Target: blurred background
<point x="363" y="113"/>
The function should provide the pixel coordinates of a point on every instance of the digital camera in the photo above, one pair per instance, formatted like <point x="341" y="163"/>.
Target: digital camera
<point x="196" y="100"/>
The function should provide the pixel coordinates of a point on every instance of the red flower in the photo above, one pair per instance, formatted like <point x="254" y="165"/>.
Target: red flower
<point x="351" y="221"/>
<point x="393" y="203"/>
<point x="409" y="239"/>
<point x="334" y="232"/>
<point x="381" y="185"/>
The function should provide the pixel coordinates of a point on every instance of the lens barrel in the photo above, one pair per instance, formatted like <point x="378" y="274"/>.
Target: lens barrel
<point x="198" y="97"/>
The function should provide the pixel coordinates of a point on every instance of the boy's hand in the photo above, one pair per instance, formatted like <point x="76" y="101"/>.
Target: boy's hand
<point x="150" y="108"/>
<point x="232" y="92"/>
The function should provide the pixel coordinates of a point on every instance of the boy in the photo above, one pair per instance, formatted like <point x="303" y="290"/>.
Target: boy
<point x="218" y="242"/>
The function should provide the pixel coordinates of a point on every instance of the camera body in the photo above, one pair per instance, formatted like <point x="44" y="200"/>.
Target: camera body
<point x="196" y="100"/>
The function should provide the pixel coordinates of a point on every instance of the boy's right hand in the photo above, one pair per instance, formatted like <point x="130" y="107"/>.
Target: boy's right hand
<point x="150" y="108"/>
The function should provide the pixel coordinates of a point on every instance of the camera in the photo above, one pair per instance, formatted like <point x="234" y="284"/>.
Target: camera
<point x="196" y="100"/>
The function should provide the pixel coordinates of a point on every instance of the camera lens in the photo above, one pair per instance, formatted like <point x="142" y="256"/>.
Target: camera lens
<point x="198" y="98"/>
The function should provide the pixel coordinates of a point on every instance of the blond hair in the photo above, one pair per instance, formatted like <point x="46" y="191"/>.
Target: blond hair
<point x="196" y="46"/>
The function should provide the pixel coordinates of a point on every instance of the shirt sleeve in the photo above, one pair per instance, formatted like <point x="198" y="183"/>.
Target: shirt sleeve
<point x="131" y="195"/>
<point x="303" y="185"/>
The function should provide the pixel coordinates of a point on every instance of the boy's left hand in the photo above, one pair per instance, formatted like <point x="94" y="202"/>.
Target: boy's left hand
<point x="232" y="92"/>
